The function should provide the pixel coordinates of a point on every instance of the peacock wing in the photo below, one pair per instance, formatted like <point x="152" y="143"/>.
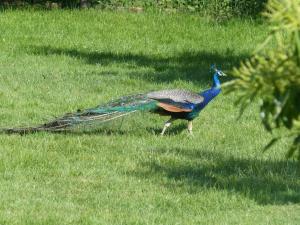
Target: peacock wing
<point x="176" y="100"/>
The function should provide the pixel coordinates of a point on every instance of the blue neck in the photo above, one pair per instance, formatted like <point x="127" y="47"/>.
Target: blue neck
<point x="216" y="81"/>
<point x="211" y="93"/>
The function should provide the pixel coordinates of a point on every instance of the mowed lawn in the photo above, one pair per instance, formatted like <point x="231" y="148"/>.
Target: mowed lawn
<point x="60" y="61"/>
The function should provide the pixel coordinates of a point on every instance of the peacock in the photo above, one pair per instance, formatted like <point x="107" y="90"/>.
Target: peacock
<point x="176" y="103"/>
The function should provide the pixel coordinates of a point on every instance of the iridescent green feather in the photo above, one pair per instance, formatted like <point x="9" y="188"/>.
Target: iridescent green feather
<point x="100" y="114"/>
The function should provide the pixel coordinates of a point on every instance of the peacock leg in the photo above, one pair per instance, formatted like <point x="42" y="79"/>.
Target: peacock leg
<point x="167" y="124"/>
<point x="190" y="127"/>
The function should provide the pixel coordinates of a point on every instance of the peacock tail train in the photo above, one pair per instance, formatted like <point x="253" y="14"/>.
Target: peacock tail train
<point x="100" y="114"/>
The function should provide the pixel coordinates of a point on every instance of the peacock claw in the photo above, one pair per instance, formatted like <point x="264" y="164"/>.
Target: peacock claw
<point x="191" y="134"/>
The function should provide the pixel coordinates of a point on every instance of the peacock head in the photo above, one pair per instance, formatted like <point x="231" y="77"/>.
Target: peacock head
<point x="217" y="72"/>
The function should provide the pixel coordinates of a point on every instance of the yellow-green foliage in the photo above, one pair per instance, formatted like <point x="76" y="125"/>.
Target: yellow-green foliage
<point x="274" y="74"/>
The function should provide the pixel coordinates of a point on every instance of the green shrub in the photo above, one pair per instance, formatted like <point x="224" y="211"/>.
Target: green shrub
<point x="274" y="74"/>
<point x="216" y="8"/>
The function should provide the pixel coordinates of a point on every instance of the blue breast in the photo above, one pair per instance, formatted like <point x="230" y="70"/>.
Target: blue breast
<point x="208" y="95"/>
<point x="211" y="93"/>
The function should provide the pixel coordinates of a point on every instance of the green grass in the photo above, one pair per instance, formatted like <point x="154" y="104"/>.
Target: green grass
<point x="59" y="61"/>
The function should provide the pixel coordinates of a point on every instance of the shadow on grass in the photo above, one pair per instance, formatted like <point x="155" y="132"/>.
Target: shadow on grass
<point x="190" y="66"/>
<point x="173" y="130"/>
<point x="107" y="132"/>
<point x="266" y="182"/>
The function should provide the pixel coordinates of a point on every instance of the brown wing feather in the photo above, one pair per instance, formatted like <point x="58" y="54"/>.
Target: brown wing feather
<point x="172" y="108"/>
<point x="176" y="95"/>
